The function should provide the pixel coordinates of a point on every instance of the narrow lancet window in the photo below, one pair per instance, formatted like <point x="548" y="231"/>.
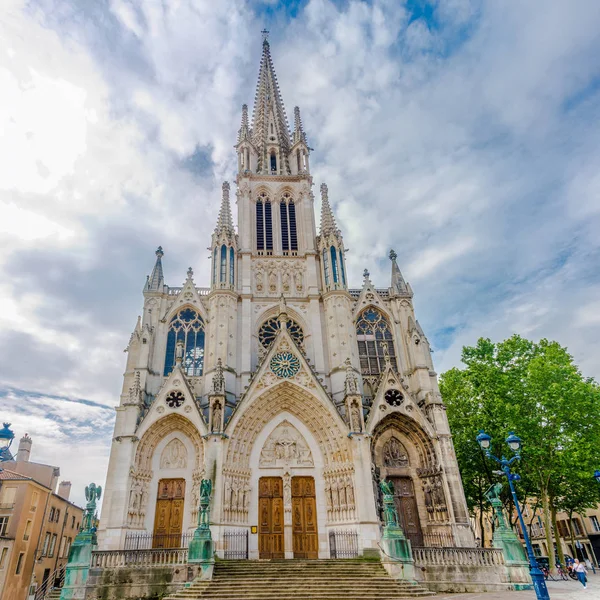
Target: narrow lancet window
<point x="231" y="267"/>
<point x="214" y="273"/>
<point x="223" y="276"/>
<point x="334" y="267"/>
<point x="285" y="237"/>
<point x="326" y="266"/>
<point x="289" y="235"/>
<point x="260" y="225"/>
<point x="273" y="163"/>
<point x="342" y="269"/>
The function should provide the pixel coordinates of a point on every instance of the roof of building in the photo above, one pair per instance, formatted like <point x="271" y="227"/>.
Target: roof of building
<point x="5" y="475"/>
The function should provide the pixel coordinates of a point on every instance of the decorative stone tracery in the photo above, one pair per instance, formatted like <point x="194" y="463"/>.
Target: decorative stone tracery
<point x="141" y="472"/>
<point x="285" y="447"/>
<point x="339" y="493"/>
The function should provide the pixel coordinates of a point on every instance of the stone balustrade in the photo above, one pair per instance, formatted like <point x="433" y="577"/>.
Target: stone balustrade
<point x="460" y="557"/>
<point x="157" y="557"/>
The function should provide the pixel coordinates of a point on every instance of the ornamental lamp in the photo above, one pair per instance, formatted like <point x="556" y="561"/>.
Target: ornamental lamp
<point x="513" y="441"/>
<point x="484" y="440"/>
<point x="597" y="475"/>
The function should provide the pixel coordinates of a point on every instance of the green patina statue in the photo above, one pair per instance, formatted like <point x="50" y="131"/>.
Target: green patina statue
<point x="389" y="506"/>
<point x="93" y="493"/>
<point x="493" y="496"/>
<point x="203" y="513"/>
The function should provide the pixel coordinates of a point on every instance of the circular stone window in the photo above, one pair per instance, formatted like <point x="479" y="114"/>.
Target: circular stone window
<point x="393" y="397"/>
<point x="175" y="399"/>
<point x="285" y="364"/>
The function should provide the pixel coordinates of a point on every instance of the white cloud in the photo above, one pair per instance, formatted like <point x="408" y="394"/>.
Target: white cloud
<point x="469" y="146"/>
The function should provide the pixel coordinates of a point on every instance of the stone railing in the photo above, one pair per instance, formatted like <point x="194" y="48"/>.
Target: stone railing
<point x="202" y="291"/>
<point x="158" y="557"/>
<point x="460" y="557"/>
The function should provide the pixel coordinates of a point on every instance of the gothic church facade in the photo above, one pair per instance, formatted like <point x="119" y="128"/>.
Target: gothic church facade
<point x="292" y="392"/>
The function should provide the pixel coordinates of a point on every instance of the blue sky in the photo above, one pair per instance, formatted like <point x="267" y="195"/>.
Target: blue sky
<point x="463" y="134"/>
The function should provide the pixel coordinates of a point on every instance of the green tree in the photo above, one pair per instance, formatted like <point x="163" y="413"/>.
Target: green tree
<point x="536" y="390"/>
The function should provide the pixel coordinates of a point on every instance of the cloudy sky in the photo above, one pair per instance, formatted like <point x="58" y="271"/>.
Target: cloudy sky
<point x="464" y="134"/>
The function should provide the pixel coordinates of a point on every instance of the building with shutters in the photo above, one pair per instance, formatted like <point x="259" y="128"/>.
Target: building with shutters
<point x="292" y="391"/>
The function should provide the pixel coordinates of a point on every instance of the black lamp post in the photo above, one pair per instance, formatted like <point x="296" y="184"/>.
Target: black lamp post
<point x="514" y="443"/>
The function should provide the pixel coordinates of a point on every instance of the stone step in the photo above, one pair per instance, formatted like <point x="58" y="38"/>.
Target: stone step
<point x="300" y="580"/>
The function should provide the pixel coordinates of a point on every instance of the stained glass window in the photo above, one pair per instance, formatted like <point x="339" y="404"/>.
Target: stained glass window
<point x="187" y="325"/>
<point x="231" y="267"/>
<point x="270" y="329"/>
<point x="223" y="277"/>
<point x="334" y="268"/>
<point x="342" y="270"/>
<point x="374" y="338"/>
<point x="326" y="266"/>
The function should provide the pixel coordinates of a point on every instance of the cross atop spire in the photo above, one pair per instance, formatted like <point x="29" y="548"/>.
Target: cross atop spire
<point x="155" y="282"/>
<point x="328" y="224"/>
<point x="269" y="121"/>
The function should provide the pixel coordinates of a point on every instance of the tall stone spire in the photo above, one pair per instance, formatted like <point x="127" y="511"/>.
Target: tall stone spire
<point x="244" y="131"/>
<point x="328" y="224"/>
<point x="298" y="135"/>
<point x="269" y="121"/>
<point x="225" y="221"/>
<point x="156" y="281"/>
<point x="399" y="286"/>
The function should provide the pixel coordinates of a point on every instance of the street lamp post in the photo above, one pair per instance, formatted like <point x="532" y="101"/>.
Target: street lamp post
<point x="597" y="475"/>
<point x="514" y="443"/>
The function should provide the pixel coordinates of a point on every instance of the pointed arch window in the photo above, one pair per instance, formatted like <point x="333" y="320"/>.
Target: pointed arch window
<point x="326" y="266"/>
<point x="214" y="273"/>
<point x="269" y="330"/>
<point x="342" y="269"/>
<point x="264" y="225"/>
<point x="334" y="264"/>
<point x="231" y="267"/>
<point x="223" y="274"/>
<point x="273" y="162"/>
<point x="187" y="325"/>
<point x="289" y="234"/>
<point x="375" y="340"/>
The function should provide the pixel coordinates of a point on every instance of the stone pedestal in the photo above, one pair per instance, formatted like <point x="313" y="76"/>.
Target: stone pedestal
<point x="398" y="559"/>
<point x="201" y="552"/>
<point x="78" y="566"/>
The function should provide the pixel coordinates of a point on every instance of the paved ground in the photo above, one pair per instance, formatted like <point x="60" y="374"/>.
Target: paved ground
<point x="558" y="590"/>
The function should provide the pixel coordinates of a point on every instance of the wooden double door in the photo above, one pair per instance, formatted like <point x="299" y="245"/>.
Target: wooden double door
<point x="168" y="522"/>
<point x="406" y="505"/>
<point x="305" y="542"/>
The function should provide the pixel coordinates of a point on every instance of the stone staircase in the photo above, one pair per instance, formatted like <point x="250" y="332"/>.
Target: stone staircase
<point x="300" y="580"/>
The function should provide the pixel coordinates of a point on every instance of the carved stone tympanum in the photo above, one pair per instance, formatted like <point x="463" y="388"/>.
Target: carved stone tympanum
<point x="286" y="447"/>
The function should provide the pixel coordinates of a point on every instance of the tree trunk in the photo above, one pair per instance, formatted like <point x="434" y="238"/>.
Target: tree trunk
<point x="561" y="554"/>
<point x="573" y="547"/>
<point x="548" y="529"/>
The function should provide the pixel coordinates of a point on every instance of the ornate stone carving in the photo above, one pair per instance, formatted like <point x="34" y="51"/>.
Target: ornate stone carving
<point x="236" y="496"/>
<point x="286" y="447"/>
<point x="276" y="276"/>
<point x="339" y="493"/>
<point x="395" y="454"/>
<point x="138" y="497"/>
<point x="351" y="383"/>
<point x="219" y="378"/>
<point x="174" y="456"/>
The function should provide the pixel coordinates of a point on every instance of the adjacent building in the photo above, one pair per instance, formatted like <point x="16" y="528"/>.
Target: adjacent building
<point x="37" y="522"/>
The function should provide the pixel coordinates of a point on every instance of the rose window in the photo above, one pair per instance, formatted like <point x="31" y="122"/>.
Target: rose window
<point x="393" y="397"/>
<point x="175" y="399"/>
<point x="285" y="364"/>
